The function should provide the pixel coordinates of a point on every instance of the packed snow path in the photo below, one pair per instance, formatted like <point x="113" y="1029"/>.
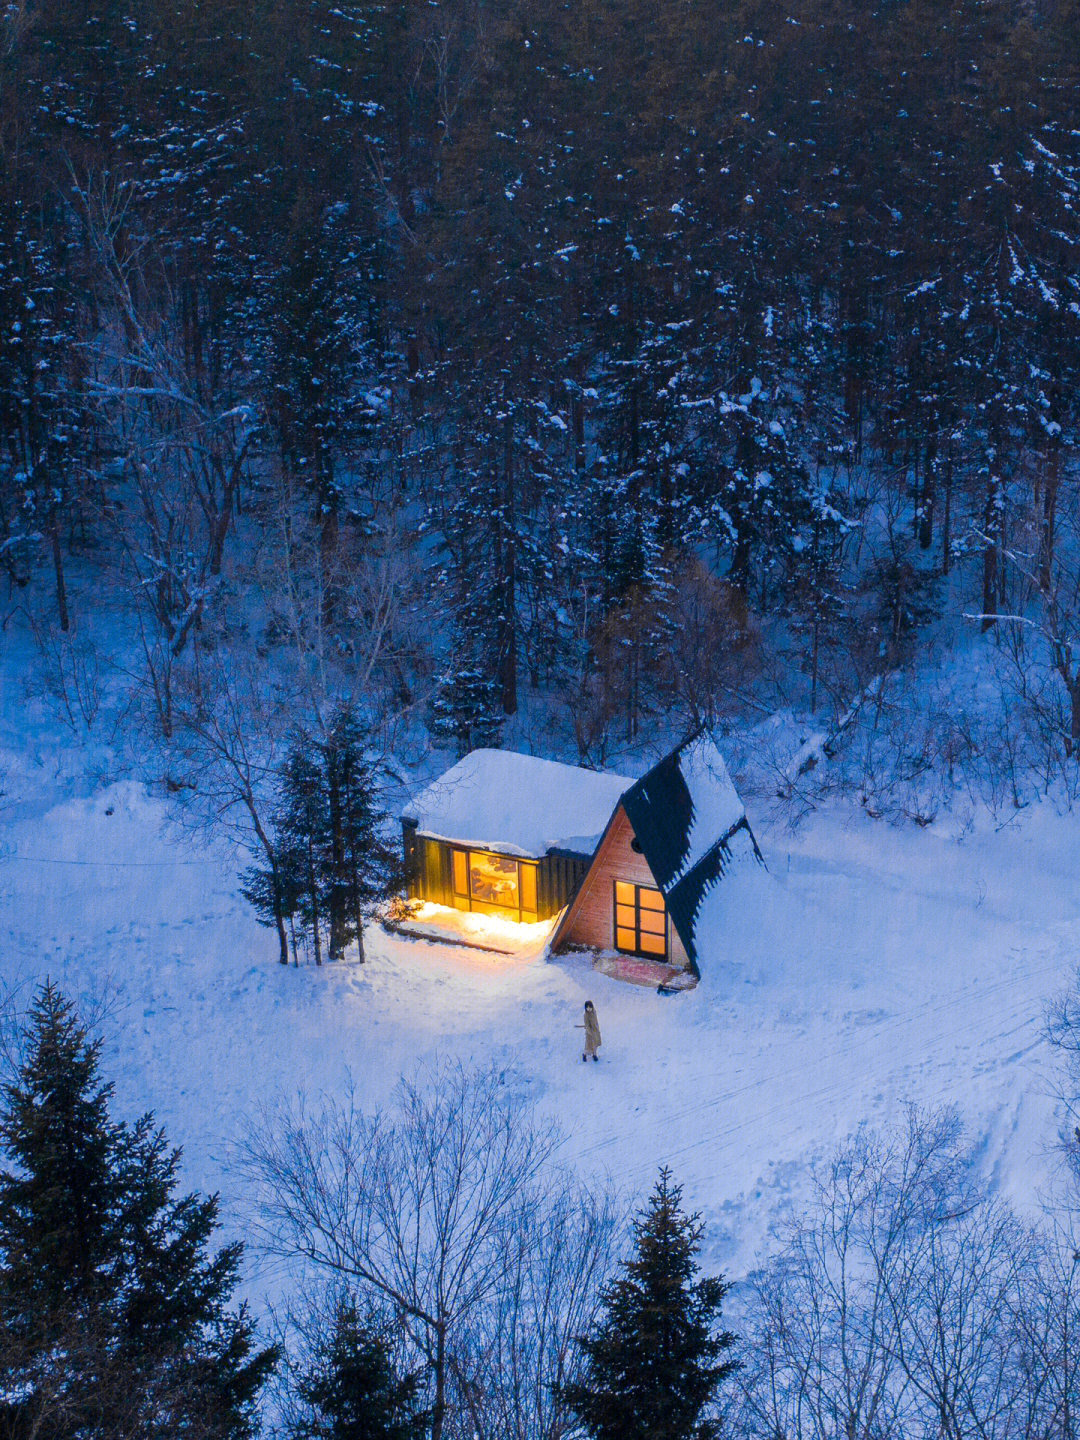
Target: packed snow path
<point x="870" y="967"/>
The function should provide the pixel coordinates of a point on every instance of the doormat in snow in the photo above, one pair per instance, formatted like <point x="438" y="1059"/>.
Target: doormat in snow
<point x="643" y="972"/>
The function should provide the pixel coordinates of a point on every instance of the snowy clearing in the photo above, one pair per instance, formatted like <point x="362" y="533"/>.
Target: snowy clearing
<point x="869" y="967"/>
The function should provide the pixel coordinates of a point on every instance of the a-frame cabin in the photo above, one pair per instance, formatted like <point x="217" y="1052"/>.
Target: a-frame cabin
<point x="673" y="836"/>
<point x="624" y="865"/>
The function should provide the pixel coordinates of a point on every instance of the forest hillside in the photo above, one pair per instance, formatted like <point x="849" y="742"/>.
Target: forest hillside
<point x="564" y="375"/>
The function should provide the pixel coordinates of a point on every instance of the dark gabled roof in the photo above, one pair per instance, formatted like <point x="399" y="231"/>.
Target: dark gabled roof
<point x="691" y="826"/>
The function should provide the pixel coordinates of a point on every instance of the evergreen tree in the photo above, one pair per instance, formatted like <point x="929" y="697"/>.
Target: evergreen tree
<point x="333" y="865"/>
<point x="353" y="1390"/>
<point x="465" y="708"/>
<point x="302" y="834"/>
<point x="362" y="868"/>
<point x="654" y="1365"/>
<point x="38" y="416"/>
<point x="113" y="1311"/>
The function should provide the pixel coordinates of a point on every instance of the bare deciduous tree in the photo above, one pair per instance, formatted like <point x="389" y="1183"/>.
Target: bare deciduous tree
<point x="894" y="1306"/>
<point x="422" y="1204"/>
<point x="520" y="1349"/>
<point x="176" y="423"/>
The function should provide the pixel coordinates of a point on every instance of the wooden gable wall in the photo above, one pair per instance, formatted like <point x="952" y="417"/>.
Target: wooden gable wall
<point x="591" y="919"/>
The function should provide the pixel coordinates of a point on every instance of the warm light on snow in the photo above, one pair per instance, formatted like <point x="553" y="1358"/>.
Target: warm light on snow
<point x="491" y="931"/>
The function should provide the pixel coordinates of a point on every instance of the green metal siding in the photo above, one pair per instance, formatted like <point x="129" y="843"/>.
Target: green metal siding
<point x="427" y="867"/>
<point x="559" y="880"/>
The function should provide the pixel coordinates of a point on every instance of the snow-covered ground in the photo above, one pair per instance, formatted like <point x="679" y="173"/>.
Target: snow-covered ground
<point x="871" y="966"/>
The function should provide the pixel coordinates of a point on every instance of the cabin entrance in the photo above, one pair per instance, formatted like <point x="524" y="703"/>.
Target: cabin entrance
<point x="491" y="884"/>
<point x="640" y="920"/>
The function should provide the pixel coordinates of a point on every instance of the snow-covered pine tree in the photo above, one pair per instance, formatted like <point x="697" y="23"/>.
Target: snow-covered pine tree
<point x="365" y="868"/>
<point x="766" y="496"/>
<point x="465" y="713"/>
<point x="352" y="1390"/>
<point x="334" y="862"/>
<point x="114" y="1312"/>
<point x="655" y="1362"/>
<point x="300" y="823"/>
<point x="321" y="367"/>
<point x="467" y="709"/>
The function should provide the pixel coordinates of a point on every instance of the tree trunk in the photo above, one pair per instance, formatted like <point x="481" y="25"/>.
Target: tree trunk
<point x="927" y="498"/>
<point x="946" y="519"/>
<point x="313" y="886"/>
<point x="992" y="526"/>
<point x="271" y="856"/>
<point x="438" y="1409"/>
<point x="1073" y="746"/>
<point x="507" y="578"/>
<point x="338" y="898"/>
<point x="58" y="566"/>
<point x="1048" y="526"/>
<point x="739" y="572"/>
<point x="279" y="921"/>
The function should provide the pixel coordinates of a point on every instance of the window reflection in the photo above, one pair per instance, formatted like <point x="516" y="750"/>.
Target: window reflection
<point x="494" y="879"/>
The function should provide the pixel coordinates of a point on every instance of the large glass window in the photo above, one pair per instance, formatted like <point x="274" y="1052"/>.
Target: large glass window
<point x="494" y="880"/>
<point x="494" y="884"/>
<point x="640" y="920"/>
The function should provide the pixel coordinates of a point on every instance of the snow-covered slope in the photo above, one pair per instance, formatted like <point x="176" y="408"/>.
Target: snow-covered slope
<point x="868" y="967"/>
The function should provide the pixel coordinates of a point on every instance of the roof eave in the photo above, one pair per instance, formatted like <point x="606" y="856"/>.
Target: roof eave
<point x="498" y="847"/>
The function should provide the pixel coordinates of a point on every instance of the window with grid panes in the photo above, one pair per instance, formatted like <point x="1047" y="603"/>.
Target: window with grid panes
<point x="494" y="884"/>
<point x="640" y="920"/>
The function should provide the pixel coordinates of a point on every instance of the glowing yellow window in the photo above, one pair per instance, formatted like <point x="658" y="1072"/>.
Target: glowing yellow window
<point x="640" y="920"/>
<point x="461" y="872"/>
<point x="493" y="880"/>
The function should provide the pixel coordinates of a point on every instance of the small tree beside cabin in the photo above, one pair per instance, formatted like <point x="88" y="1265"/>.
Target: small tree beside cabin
<point x="332" y="865"/>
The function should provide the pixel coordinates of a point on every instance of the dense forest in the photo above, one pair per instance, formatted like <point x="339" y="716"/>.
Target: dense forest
<point x="588" y="364"/>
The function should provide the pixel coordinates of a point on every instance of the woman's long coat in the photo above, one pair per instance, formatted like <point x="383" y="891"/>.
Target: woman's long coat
<point x="592" y="1033"/>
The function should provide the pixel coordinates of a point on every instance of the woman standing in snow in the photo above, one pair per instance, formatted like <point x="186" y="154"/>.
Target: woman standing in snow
<point x="592" y="1032"/>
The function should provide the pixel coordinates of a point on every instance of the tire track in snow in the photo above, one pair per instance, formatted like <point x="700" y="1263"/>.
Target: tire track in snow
<point x="819" y="1095"/>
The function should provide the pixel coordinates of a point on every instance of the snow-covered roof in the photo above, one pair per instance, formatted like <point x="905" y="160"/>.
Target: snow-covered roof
<point x="683" y="807"/>
<point x="737" y="883"/>
<point x="518" y="804"/>
<point x="717" y="808"/>
<point x="691" y="826"/>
